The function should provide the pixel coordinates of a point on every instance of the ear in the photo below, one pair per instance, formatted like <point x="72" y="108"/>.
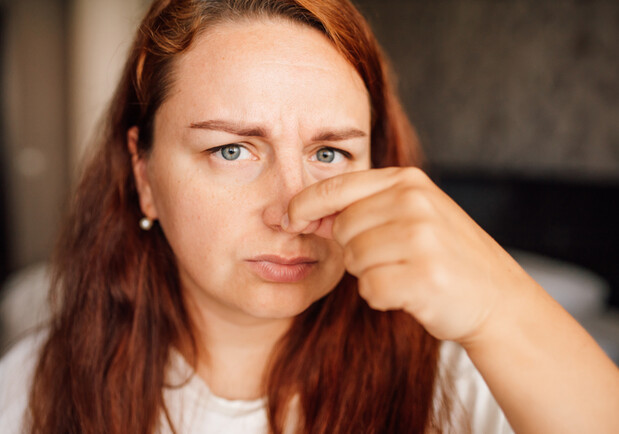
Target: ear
<point x="140" y="174"/>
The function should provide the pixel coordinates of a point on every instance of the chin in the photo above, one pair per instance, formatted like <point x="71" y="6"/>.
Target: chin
<point x="281" y="301"/>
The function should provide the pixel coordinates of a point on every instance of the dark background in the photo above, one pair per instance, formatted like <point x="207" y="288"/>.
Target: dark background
<point x="517" y="107"/>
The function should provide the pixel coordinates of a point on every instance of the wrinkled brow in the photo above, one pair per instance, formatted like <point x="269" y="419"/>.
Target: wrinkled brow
<point x="326" y="135"/>
<point x="337" y="135"/>
<point x="231" y="127"/>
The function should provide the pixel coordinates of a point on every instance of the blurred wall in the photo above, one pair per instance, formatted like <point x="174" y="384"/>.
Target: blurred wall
<point x="60" y="62"/>
<point x="101" y="35"/>
<point x="34" y="118"/>
<point x="526" y="86"/>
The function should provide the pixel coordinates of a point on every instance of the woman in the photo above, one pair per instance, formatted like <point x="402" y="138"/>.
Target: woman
<point x="283" y="269"/>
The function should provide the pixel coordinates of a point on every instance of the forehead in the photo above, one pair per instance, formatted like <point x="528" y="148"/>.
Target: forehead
<point x="255" y="67"/>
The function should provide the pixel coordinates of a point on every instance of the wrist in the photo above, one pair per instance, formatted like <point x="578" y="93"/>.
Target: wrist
<point x="518" y="312"/>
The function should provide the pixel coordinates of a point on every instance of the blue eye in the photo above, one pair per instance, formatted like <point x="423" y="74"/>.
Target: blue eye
<point x="231" y="152"/>
<point x="326" y="155"/>
<point x="330" y="155"/>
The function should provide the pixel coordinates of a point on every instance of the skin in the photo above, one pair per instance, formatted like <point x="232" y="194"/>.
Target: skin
<point x="433" y="261"/>
<point x="216" y="213"/>
<point x="409" y="244"/>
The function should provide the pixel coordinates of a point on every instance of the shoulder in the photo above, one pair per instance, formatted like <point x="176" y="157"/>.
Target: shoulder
<point x="16" y="370"/>
<point x="469" y="391"/>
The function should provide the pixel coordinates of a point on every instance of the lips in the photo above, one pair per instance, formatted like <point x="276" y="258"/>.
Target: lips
<point x="278" y="269"/>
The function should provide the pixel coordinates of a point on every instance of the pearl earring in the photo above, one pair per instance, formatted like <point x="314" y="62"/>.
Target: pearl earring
<point x="146" y="223"/>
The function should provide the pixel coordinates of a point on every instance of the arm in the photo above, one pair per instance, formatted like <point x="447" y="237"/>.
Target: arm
<point x="545" y="371"/>
<point x="413" y="248"/>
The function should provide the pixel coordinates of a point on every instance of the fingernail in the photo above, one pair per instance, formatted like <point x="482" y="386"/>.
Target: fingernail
<point x="285" y="221"/>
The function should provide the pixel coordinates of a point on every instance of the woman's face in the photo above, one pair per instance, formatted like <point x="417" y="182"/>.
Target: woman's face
<point x="258" y="111"/>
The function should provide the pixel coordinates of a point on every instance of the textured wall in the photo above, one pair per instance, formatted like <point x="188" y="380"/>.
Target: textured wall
<point x="523" y="86"/>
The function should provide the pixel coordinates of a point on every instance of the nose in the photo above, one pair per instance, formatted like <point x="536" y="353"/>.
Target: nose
<point x="286" y="178"/>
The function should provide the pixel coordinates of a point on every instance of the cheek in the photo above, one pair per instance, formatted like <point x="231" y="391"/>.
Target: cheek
<point x="200" y="218"/>
<point x="229" y="174"/>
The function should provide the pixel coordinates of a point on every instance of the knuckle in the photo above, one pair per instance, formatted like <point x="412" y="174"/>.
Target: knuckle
<point x="377" y="306"/>
<point x="419" y="304"/>
<point x="364" y="287"/>
<point x="426" y="236"/>
<point x="411" y="176"/>
<point x="367" y="284"/>
<point x="375" y="303"/>
<point x="416" y="201"/>
<point x="355" y="254"/>
<point x="434" y="273"/>
<point x="329" y="187"/>
<point x="424" y="313"/>
<point x="370" y="289"/>
<point x="417" y="234"/>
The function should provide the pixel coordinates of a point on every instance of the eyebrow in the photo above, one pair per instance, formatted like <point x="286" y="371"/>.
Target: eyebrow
<point x="326" y="135"/>
<point x="338" y="135"/>
<point x="230" y="127"/>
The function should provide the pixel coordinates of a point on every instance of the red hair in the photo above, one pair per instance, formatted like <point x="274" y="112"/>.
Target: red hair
<point x="119" y="305"/>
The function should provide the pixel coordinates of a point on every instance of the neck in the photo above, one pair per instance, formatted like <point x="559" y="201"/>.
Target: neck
<point x="234" y="349"/>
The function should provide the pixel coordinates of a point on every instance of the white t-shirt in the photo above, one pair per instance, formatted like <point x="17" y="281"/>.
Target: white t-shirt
<point x="194" y="409"/>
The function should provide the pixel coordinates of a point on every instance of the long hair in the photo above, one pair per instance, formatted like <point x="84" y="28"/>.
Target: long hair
<point x="118" y="305"/>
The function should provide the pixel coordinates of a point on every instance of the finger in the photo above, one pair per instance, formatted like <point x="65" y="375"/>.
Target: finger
<point x="395" y="242"/>
<point x="325" y="227"/>
<point x="334" y="194"/>
<point x="386" y="287"/>
<point x="413" y="204"/>
<point x="407" y="286"/>
<point x="312" y="227"/>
